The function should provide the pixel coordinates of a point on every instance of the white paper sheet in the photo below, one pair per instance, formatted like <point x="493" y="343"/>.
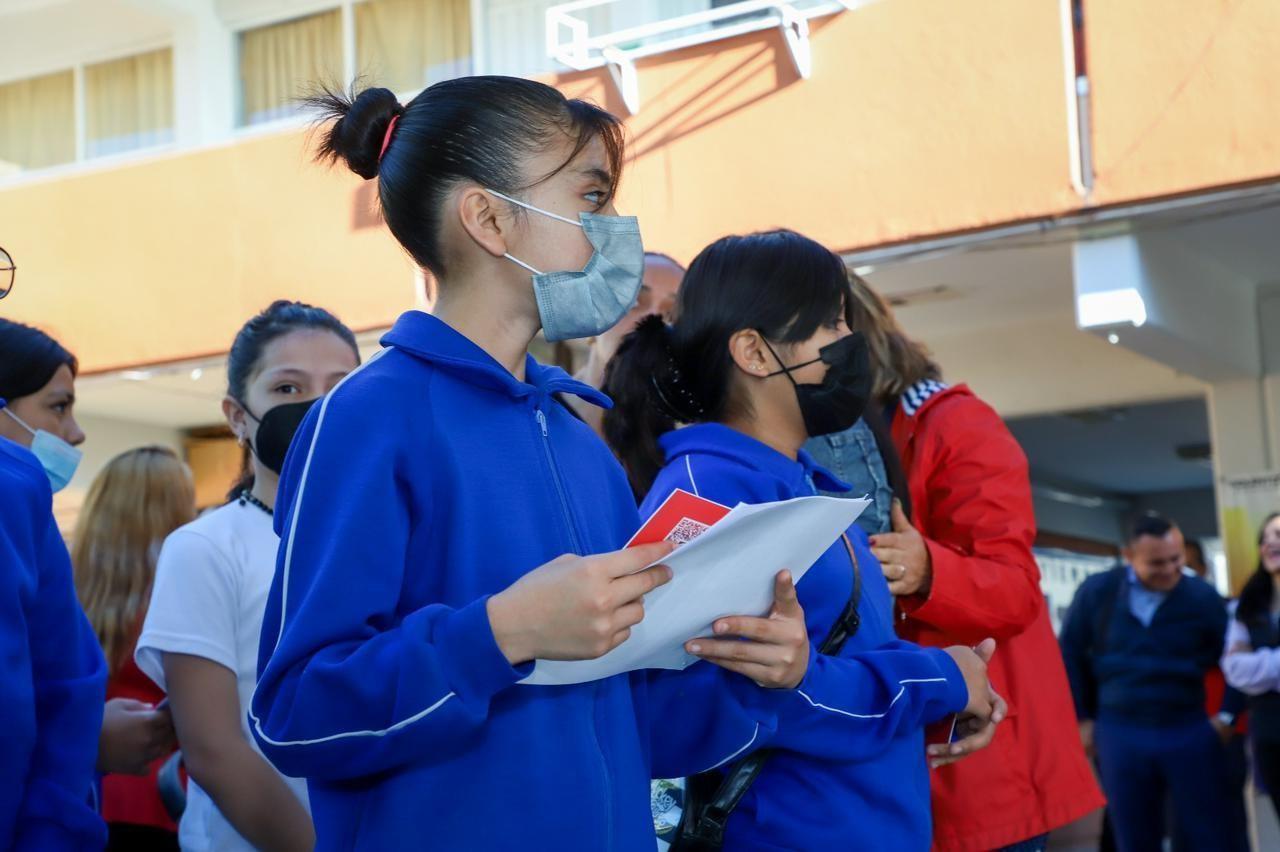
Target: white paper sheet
<point x="728" y="570"/>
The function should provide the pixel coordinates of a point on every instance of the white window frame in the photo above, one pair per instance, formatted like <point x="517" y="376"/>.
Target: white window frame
<point x="82" y="162"/>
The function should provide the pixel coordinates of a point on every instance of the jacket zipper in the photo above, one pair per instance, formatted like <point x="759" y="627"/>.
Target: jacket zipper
<point x="576" y="541"/>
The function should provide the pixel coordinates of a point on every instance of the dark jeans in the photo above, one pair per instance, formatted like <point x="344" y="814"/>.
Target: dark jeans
<point x="1142" y="765"/>
<point x="1266" y="757"/>
<point x="1237" y="768"/>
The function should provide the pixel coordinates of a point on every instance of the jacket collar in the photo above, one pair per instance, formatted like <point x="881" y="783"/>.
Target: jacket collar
<point x="915" y="401"/>
<point x="719" y="440"/>
<point x="1132" y="577"/>
<point x="430" y="339"/>
<point x="915" y="397"/>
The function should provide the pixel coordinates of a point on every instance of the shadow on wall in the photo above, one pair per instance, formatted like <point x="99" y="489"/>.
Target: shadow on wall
<point x="706" y="93"/>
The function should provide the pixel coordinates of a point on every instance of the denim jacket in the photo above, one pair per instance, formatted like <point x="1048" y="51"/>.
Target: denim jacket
<point x="852" y="455"/>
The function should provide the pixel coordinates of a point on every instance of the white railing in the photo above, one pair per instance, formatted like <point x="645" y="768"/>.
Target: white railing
<point x="571" y="42"/>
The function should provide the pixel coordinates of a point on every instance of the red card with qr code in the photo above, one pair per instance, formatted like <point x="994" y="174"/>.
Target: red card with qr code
<point x="681" y="517"/>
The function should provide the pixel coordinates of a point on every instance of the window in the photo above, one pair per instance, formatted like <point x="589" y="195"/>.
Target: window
<point x="128" y="103"/>
<point x="279" y="62"/>
<point x="121" y="105"/>
<point x="515" y="37"/>
<point x="515" y="30"/>
<point x="37" y="122"/>
<point x="406" y="45"/>
<point x="736" y="19"/>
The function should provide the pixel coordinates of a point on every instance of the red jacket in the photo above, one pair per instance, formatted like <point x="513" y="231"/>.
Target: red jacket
<point x="132" y="799"/>
<point x="971" y="500"/>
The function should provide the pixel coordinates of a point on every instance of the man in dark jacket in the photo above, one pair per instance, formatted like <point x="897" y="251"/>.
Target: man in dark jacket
<point x="1137" y="643"/>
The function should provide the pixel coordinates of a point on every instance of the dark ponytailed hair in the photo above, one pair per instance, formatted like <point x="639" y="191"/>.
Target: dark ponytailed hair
<point x="245" y="359"/>
<point x="472" y="129"/>
<point x="1258" y="591"/>
<point x="778" y="282"/>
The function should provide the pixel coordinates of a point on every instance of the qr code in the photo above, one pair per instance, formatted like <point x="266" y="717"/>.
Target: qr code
<point x="687" y="530"/>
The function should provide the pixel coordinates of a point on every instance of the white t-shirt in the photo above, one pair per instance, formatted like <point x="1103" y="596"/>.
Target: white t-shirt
<point x="208" y="599"/>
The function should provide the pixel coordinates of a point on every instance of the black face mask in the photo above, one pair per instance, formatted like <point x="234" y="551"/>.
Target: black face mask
<point x="276" y="429"/>
<point x="837" y="403"/>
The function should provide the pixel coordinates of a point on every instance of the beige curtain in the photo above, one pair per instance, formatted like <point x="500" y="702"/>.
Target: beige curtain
<point x="129" y="103"/>
<point x="37" y="122"/>
<point x="405" y="45"/>
<point x="515" y="36"/>
<point x="281" y="62"/>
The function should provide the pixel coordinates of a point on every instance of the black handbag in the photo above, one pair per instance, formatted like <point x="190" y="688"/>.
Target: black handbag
<point x="711" y="797"/>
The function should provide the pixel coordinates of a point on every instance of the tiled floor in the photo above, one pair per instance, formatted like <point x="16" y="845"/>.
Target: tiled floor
<point x="1265" y="824"/>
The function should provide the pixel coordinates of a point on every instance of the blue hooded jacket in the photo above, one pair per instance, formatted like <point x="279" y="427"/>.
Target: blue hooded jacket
<point x="865" y="783"/>
<point x="52" y="675"/>
<point x="428" y="480"/>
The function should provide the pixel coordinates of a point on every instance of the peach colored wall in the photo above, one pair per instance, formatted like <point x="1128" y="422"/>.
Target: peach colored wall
<point x="921" y="117"/>
<point x="1184" y="94"/>
<point x="165" y="259"/>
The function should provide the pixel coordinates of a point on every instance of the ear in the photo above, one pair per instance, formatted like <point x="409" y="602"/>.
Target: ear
<point x="1127" y="553"/>
<point x="483" y="219"/>
<point x="236" y="419"/>
<point x="750" y="354"/>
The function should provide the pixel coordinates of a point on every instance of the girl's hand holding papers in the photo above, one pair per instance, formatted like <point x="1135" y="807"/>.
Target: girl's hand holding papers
<point x="776" y="651"/>
<point x="576" y="607"/>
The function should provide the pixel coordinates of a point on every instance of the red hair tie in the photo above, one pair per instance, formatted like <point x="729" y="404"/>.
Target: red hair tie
<point x="386" y="139"/>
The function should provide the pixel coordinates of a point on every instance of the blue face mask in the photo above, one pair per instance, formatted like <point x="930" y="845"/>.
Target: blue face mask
<point x="586" y="303"/>
<point x="58" y="458"/>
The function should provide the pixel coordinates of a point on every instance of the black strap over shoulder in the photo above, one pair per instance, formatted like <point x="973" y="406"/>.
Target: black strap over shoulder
<point x="704" y="827"/>
<point x="1107" y="609"/>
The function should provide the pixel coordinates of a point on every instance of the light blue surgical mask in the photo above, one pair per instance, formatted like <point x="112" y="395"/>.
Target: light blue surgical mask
<point x="586" y="303"/>
<point x="58" y="458"/>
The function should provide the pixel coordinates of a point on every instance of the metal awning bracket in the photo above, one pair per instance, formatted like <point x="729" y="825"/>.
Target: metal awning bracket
<point x="795" y="29"/>
<point x="622" y="69"/>
<point x="571" y="41"/>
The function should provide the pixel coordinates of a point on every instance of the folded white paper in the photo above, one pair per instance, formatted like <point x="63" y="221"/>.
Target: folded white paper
<point x="728" y="570"/>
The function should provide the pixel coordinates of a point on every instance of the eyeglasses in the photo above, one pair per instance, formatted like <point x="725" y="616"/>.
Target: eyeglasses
<point x="7" y="273"/>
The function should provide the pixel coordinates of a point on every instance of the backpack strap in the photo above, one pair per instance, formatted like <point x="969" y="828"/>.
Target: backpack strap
<point x="1107" y="611"/>
<point x="708" y="824"/>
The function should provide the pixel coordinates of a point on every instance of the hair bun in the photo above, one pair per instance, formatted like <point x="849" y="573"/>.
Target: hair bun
<point x="360" y="123"/>
<point x="671" y="388"/>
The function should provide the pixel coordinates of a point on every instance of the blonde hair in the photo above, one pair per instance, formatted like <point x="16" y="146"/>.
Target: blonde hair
<point x="899" y="362"/>
<point x="138" y="499"/>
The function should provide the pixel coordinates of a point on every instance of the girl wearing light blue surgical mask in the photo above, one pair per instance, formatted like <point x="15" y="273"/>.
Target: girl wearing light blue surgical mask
<point x="445" y="521"/>
<point x="37" y="386"/>
<point x="51" y="745"/>
<point x="52" y="671"/>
